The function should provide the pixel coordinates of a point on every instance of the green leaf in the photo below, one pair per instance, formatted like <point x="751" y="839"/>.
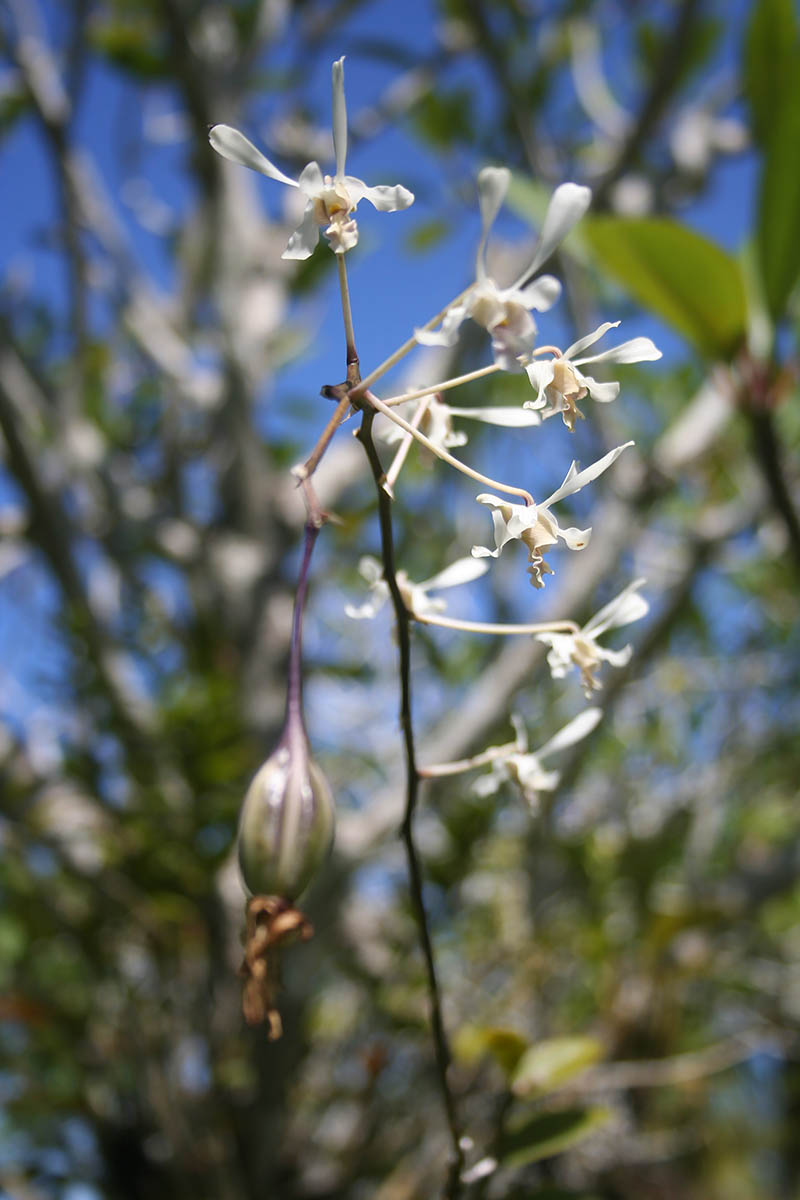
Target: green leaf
<point x="552" y="1062"/>
<point x="681" y="276"/>
<point x="546" y="1134"/>
<point x="770" y="62"/>
<point x="777" y="241"/>
<point x="505" y="1046"/>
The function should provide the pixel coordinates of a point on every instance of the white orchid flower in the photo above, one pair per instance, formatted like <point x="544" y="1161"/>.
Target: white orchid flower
<point x="437" y="420"/>
<point x="330" y="200"/>
<point x="506" y="312"/>
<point x="581" y="649"/>
<point x="560" y="384"/>
<point x="535" y="525"/>
<point x="415" y="595"/>
<point x="524" y="768"/>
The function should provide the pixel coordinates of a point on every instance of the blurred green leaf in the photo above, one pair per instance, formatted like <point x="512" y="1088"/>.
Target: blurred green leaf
<point x="681" y="276"/>
<point x="547" y="1134"/>
<point x="778" y="242"/>
<point x="552" y="1062"/>
<point x="770" y="69"/>
<point x="505" y="1046"/>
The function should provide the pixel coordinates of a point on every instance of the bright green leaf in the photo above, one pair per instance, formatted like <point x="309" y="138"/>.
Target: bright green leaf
<point x="505" y="1046"/>
<point x="552" y="1062"/>
<point x="770" y="62"/>
<point x="681" y="276"/>
<point x="546" y="1134"/>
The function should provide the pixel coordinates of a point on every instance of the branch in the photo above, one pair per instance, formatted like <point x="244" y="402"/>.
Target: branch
<point x="403" y="620"/>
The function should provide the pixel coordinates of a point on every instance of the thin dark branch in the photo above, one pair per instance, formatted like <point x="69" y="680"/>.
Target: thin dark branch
<point x="442" y="1050"/>
<point x="767" y="452"/>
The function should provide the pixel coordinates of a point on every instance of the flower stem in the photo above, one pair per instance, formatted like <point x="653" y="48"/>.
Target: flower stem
<point x="487" y="627"/>
<point x="379" y="406"/>
<point x="443" y="387"/>
<point x="404" y="447"/>
<point x="353" y="375"/>
<point x="406" y="347"/>
<point x="295" y="683"/>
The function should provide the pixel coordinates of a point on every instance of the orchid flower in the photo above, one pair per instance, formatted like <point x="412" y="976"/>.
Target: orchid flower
<point x="524" y="767"/>
<point x="330" y="200"/>
<point x="535" y="525"/>
<point x="506" y="312"/>
<point x="581" y="648"/>
<point x="560" y="384"/>
<point x="415" y="595"/>
<point x="437" y="421"/>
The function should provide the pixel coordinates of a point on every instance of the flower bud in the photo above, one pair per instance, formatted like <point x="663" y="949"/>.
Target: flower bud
<point x="286" y="823"/>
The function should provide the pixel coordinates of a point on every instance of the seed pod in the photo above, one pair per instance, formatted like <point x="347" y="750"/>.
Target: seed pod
<point x="286" y="823"/>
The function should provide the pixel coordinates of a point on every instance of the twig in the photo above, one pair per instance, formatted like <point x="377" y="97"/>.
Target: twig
<point x="452" y="1184"/>
<point x="402" y="617"/>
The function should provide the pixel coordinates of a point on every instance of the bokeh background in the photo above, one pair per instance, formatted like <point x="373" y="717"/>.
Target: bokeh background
<point x="160" y="369"/>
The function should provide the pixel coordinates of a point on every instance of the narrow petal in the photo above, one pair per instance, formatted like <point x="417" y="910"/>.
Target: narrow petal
<point x="304" y="239"/>
<point x="339" y="115"/>
<point x="447" y="333"/>
<point x="383" y="197"/>
<point x="492" y="187"/>
<point x="577" y="729"/>
<point x="507" y="417"/>
<point x="640" y="349"/>
<point x="604" y="393"/>
<point x="567" y="206"/>
<point x="463" y="570"/>
<point x="617" y="658"/>
<point x="541" y="294"/>
<point x="541" y="375"/>
<point x="233" y="145"/>
<point x="590" y="339"/>
<point x="575" y="479"/>
<point x="628" y="606"/>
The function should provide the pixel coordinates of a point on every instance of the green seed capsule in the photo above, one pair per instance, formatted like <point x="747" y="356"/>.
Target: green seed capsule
<point x="287" y="818"/>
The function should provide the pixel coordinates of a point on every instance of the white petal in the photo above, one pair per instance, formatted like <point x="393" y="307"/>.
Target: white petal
<point x="541" y="374"/>
<point x="447" y="333"/>
<point x="463" y="570"/>
<point x="628" y="606"/>
<point x="575" y="479"/>
<point x="339" y="115"/>
<point x="640" y="349"/>
<point x="567" y="206"/>
<point x="311" y="182"/>
<point x="617" y="658"/>
<point x="604" y="393"/>
<point x="383" y="197"/>
<point x="304" y="239"/>
<point x="590" y="339"/>
<point x="577" y="729"/>
<point x="233" y="145"/>
<point x="369" y="568"/>
<point x="499" y="415"/>
<point x="492" y="187"/>
<point x="576" y="539"/>
<point x="541" y="294"/>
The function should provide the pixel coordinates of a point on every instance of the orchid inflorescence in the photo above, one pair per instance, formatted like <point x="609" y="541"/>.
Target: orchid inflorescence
<point x="425" y="417"/>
